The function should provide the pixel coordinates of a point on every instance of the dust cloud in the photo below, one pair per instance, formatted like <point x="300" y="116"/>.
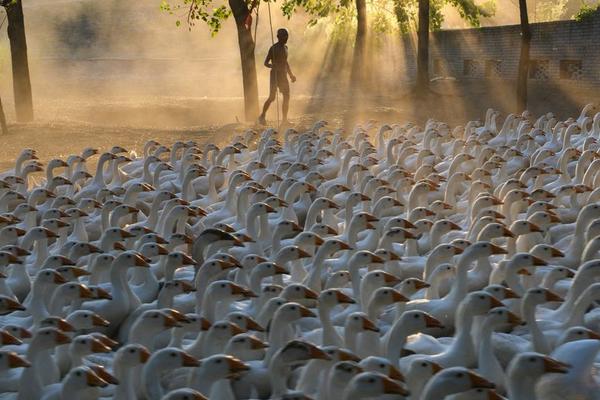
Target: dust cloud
<point x="118" y="61"/>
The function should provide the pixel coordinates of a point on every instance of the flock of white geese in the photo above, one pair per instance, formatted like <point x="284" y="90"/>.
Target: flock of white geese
<point x="391" y="262"/>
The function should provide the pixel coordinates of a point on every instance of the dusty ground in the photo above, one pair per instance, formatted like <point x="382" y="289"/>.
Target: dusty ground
<point x="66" y="127"/>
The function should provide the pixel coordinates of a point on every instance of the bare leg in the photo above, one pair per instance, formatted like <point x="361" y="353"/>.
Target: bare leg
<point x="286" y="105"/>
<point x="267" y="104"/>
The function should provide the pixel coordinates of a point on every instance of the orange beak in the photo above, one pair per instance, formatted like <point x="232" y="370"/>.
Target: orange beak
<point x="479" y="382"/>
<point x="343" y="298"/>
<point x="552" y="365"/>
<point x="391" y="387"/>
<point x="432" y="322"/>
<point x="94" y="380"/>
<point x="368" y="325"/>
<point x="15" y="361"/>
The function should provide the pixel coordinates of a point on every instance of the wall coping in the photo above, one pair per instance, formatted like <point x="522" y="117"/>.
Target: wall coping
<point x="595" y="18"/>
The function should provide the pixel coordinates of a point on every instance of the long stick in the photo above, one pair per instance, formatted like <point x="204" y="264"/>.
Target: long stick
<point x="272" y="44"/>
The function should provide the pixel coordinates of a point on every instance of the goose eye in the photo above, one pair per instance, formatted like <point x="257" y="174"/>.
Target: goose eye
<point x="416" y="316"/>
<point x="173" y="354"/>
<point x="459" y="375"/>
<point x="78" y="373"/>
<point x="131" y="351"/>
<point x="218" y="361"/>
<point x="532" y="359"/>
<point x="482" y="297"/>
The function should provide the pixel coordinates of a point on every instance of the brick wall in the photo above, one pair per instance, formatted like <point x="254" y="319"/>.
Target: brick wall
<point x="563" y="51"/>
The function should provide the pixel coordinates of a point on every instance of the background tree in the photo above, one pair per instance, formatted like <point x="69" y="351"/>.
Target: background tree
<point x="3" y="126"/>
<point x="358" y="75"/>
<point x="20" y="64"/>
<point x="523" y="71"/>
<point x="413" y="15"/>
<point x="202" y="10"/>
<point x="423" y="48"/>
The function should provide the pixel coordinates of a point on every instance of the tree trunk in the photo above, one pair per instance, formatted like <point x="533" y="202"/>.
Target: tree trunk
<point x="357" y="76"/>
<point x="524" y="57"/>
<point x="20" y="65"/>
<point x="423" y="48"/>
<point x="246" y="43"/>
<point x="3" y="126"/>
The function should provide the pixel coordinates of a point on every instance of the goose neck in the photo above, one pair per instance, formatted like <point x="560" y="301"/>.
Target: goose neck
<point x="540" y="344"/>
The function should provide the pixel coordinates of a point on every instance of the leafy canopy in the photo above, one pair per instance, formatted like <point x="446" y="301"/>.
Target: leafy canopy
<point x="385" y="15"/>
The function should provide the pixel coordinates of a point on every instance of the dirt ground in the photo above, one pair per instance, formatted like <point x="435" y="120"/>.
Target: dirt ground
<point x="65" y="127"/>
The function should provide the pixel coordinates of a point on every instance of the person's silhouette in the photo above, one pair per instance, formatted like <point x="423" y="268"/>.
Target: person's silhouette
<point x="280" y="69"/>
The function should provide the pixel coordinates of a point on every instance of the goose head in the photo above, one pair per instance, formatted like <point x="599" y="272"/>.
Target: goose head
<point x="130" y="259"/>
<point x="132" y="355"/>
<point x="171" y="358"/>
<point x="10" y="234"/>
<point x="298" y="292"/>
<point x="479" y="303"/>
<point x="155" y="321"/>
<point x="378" y="278"/>
<point x="332" y="297"/>
<point x="246" y="347"/>
<point x="81" y="378"/>
<point x="221" y="366"/>
<point x="536" y="296"/>
<point x="86" y="320"/>
<point x="297" y="352"/>
<point x="184" y="394"/>
<point x="323" y="230"/>
<point x="226" y="290"/>
<point x="290" y="312"/>
<point x="342" y="372"/>
<point x="17" y="331"/>
<point x="575" y="333"/>
<point x="8" y="305"/>
<point x="546" y="252"/>
<point x="419" y="373"/>
<point x="482" y="249"/>
<point x="373" y="384"/>
<point x="501" y="292"/>
<point x="358" y="322"/>
<point x="534" y="365"/>
<point x="501" y="316"/>
<point x="244" y="321"/>
<point x="84" y="345"/>
<point x="382" y="366"/>
<point x="291" y="253"/>
<point x="387" y="255"/>
<point x="265" y="269"/>
<point x="48" y="338"/>
<point x="336" y="354"/>
<point x="410" y="286"/>
<point x="7" y="258"/>
<point x="9" y="359"/>
<point x="338" y="279"/>
<point x="453" y="380"/>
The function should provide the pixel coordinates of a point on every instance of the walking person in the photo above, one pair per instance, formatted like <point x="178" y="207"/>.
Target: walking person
<point x="280" y="69"/>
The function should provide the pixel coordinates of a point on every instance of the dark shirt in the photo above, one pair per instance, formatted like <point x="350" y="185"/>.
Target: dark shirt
<point x="278" y="54"/>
